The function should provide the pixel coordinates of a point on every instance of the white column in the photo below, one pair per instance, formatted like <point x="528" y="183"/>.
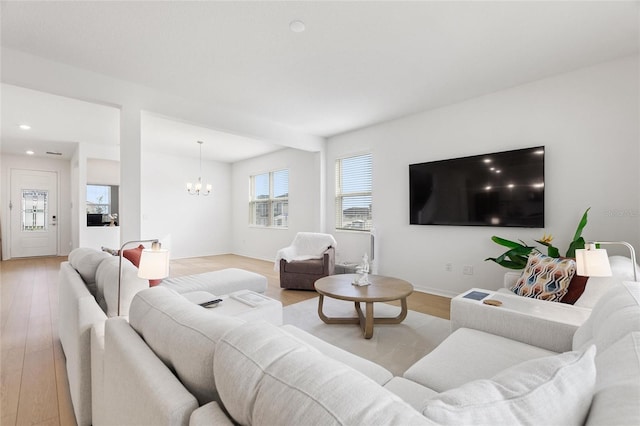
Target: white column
<point x="130" y="174"/>
<point x="322" y="158"/>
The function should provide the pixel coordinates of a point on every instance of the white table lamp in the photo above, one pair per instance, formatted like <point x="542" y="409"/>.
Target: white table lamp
<point x="154" y="263"/>
<point x="594" y="262"/>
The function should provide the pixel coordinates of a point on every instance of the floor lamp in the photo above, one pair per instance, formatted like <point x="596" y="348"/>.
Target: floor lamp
<point x="594" y="262"/>
<point x="154" y="263"/>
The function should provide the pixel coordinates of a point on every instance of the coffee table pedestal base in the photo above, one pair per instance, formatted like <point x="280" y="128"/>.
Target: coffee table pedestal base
<point x="365" y="319"/>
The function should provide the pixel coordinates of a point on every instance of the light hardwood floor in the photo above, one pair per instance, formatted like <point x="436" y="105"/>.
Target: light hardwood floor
<point x="34" y="386"/>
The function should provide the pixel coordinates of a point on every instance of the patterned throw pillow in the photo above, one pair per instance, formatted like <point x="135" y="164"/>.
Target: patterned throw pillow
<point x="545" y="278"/>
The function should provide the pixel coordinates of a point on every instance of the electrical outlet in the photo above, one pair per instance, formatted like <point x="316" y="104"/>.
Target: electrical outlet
<point x="448" y="267"/>
<point x="467" y="270"/>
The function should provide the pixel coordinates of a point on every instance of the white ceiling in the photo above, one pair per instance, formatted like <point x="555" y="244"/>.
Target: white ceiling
<point x="178" y="138"/>
<point x="358" y="63"/>
<point x="59" y="123"/>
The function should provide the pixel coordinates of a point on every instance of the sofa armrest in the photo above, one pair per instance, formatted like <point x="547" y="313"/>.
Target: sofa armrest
<point x="97" y="373"/>
<point x="540" y="323"/>
<point x="78" y="311"/>
<point x="138" y="387"/>
<point x="510" y="279"/>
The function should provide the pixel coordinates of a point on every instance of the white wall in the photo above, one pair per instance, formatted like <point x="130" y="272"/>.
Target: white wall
<point x="589" y="122"/>
<point x="304" y="201"/>
<point x="37" y="73"/>
<point x="103" y="172"/>
<point x="188" y="225"/>
<point x="62" y="168"/>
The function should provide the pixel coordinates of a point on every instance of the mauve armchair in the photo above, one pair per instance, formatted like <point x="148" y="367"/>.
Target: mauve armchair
<point x="310" y="256"/>
<point x="302" y="274"/>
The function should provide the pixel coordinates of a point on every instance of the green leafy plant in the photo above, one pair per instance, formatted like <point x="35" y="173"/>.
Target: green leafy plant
<point x="516" y="256"/>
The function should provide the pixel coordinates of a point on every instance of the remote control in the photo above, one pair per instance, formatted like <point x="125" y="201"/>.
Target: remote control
<point x="211" y="302"/>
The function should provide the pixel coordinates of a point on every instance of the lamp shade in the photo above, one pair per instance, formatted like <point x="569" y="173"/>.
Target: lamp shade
<point x="154" y="264"/>
<point x="592" y="263"/>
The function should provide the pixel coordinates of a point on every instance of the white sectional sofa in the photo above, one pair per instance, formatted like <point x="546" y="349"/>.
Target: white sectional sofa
<point x="87" y="293"/>
<point x="176" y="363"/>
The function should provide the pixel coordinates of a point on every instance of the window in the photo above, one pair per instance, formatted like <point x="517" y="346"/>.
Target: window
<point x="269" y="205"/>
<point x="34" y="209"/>
<point x="102" y="204"/>
<point x="98" y="199"/>
<point x="353" y="193"/>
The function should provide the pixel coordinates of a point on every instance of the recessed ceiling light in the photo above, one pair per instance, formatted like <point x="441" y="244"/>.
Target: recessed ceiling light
<point x="29" y="152"/>
<point x="24" y="126"/>
<point x="297" y="26"/>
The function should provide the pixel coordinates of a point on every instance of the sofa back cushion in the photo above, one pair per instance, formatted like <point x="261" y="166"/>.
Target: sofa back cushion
<point x="616" y="314"/>
<point x="554" y="390"/>
<point x="86" y="261"/>
<point x="107" y="285"/>
<point x="621" y="267"/>
<point x="183" y="335"/>
<point x="596" y="287"/>
<point x="617" y="392"/>
<point x="266" y="376"/>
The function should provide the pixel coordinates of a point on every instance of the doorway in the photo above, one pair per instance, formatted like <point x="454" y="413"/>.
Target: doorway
<point x="34" y="213"/>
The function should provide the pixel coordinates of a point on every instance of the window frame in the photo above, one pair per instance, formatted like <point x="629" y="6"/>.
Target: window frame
<point x="340" y="196"/>
<point x="270" y="203"/>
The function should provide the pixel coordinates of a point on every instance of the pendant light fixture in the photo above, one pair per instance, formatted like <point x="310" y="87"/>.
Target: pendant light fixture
<point x="197" y="188"/>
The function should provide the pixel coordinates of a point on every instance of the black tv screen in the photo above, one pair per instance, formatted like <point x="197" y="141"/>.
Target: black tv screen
<point x="499" y="189"/>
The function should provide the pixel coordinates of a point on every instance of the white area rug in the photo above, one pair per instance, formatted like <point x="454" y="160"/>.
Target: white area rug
<point x="394" y="346"/>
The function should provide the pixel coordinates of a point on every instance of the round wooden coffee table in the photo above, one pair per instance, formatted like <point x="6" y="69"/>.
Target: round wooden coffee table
<point x="381" y="289"/>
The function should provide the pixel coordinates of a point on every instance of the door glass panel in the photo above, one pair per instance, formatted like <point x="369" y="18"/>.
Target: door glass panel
<point x="34" y="210"/>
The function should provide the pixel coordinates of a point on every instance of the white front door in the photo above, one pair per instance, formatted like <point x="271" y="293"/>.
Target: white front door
<point x="34" y="213"/>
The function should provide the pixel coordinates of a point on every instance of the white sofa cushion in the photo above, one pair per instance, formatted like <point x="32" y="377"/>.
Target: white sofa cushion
<point x="182" y="334"/>
<point x="209" y="414"/>
<point x="107" y="285"/>
<point x="617" y="395"/>
<point x="265" y="376"/>
<point x="468" y="355"/>
<point x="554" y="390"/>
<point x="224" y="281"/>
<point x="410" y="392"/>
<point x="370" y="369"/>
<point x="594" y="290"/>
<point x="138" y="388"/>
<point x="85" y="261"/>
<point x="621" y="267"/>
<point x="596" y="287"/>
<point x="616" y="314"/>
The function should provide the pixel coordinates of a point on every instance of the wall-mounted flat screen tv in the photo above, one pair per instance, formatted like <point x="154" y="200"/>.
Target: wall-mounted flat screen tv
<point x="499" y="189"/>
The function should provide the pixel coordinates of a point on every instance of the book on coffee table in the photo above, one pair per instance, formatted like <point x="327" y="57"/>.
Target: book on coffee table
<point x="475" y="295"/>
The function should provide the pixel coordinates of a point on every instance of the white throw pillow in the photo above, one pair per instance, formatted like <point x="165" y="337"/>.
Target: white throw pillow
<point x="555" y="390"/>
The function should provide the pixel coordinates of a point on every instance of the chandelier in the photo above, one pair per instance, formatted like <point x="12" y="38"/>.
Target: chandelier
<point x="197" y="188"/>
